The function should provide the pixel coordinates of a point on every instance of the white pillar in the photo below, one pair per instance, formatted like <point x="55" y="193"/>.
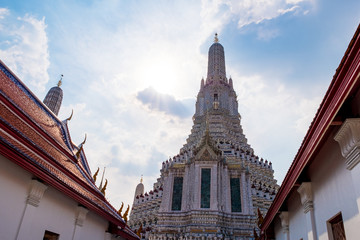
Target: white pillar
<point x="227" y="191"/>
<point x="81" y="213"/>
<point x="243" y="193"/>
<point x="284" y="216"/>
<point x="213" y="188"/>
<point x="107" y="236"/>
<point x="36" y="192"/>
<point x="197" y="187"/>
<point x="166" y="198"/>
<point x="348" y="138"/>
<point x="307" y="202"/>
<point x="185" y="190"/>
<point x="249" y="194"/>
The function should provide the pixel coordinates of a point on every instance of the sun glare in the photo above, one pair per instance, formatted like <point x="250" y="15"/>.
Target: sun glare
<point x="161" y="75"/>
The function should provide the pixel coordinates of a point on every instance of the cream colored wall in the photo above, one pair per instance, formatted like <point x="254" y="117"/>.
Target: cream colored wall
<point x="297" y="221"/>
<point x="14" y="187"/>
<point x="334" y="191"/>
<point x="56" y="212"/>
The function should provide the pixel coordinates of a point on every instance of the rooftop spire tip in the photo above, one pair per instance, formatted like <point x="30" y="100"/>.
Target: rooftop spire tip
<point x="216" y="39"/>
<point x="60" y="81"/>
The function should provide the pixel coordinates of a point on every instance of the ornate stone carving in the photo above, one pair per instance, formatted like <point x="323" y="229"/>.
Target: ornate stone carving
<point x="81" y="216"/>
<point x="284" y="217"/>
<point x="348" y="138"/>
<point x="36" y="192"/>
<point x="306" y="196"/>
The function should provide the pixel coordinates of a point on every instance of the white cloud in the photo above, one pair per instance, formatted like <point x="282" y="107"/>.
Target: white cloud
<point x="267" y="33"/>
<point x="25" y="49"/>
<point x="217" y="13"/>
<point x="306" y="112"/>
<point x="157" y="48"/>
<point x="284" y="114"/>
<point x="4" y="12"/>
<point x="149" y="51"/>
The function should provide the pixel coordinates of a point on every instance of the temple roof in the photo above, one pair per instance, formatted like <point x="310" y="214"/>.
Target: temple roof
<point x="34" y="138"/>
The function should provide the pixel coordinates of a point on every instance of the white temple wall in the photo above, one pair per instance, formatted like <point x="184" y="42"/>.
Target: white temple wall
<point x="278" y="230"/>
<point x="55" y="212"/>
<point x="14" y="188"/>
<point x="94" y="227"/>
<point x="334" y="191"/>
<point x="297" y="221"/>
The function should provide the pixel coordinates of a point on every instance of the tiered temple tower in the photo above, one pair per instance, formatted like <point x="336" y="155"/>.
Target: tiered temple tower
<point x="54" y="98"/>
<point x="214" y="187"/>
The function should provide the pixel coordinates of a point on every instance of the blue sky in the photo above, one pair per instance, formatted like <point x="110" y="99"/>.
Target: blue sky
<point x="132" y="70"/>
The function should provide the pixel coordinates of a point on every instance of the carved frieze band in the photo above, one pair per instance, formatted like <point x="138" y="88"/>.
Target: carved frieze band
<point x="348" y="138"/>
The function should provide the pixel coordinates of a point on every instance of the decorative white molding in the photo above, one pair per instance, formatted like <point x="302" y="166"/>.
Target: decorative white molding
<point x="348" y="138"/>
<point x="81" y="216"/>
<point x="36" y="192"/>
<point x="284" y="217"/>
<point x="107" y="236"/>
<point x="306" y="196"/>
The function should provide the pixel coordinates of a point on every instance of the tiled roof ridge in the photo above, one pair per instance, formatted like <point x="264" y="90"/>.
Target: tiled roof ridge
<point x="35" y="109"/>
<point x="31" y="144"/>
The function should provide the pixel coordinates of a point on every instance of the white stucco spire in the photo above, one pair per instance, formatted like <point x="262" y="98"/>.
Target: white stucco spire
<point x="54" y="98"/>
<point x="216" y="62"/>
<point x="139" y="189"/>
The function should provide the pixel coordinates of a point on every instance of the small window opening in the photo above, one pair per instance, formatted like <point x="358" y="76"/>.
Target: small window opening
<point x="50" y="236"/>
<point x="337" y="227"/>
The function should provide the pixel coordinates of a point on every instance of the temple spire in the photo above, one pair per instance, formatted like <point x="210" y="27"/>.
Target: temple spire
<point x="216" y="62"/>
<point x="216" y="39"/>
<point x="60" y="81"/>
<point x="54" y="97"/>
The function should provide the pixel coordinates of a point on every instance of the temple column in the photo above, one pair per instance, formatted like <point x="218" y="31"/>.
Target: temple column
<point x="81" y="213"/>
<point x="284" y="217"/>
<point x="166" y="198"/>
<point x="184" y="200"/>
<point x="308" y="205"/>
<point x="243" y="194"/>
<point x="36" y="192"/>
<point x="348" y="138"/>
<point x="214" y="188"/>
<point x="248" y="193"/>
<point x="107" y="236"/>
<point x="197" y="187"/>
<point x="227" y="191"/>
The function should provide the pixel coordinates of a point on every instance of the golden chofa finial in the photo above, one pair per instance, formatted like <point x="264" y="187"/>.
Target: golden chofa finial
<point x="126" y="214"/>
<point x="69" y="118"/>
<point x="120" y="210"/>
<point x="95" y="175"/>
<point x="60" y="81"/>
<point x="80" y="148"/>
<point x="103" y="189"/>
<point x="216" y="39"/>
